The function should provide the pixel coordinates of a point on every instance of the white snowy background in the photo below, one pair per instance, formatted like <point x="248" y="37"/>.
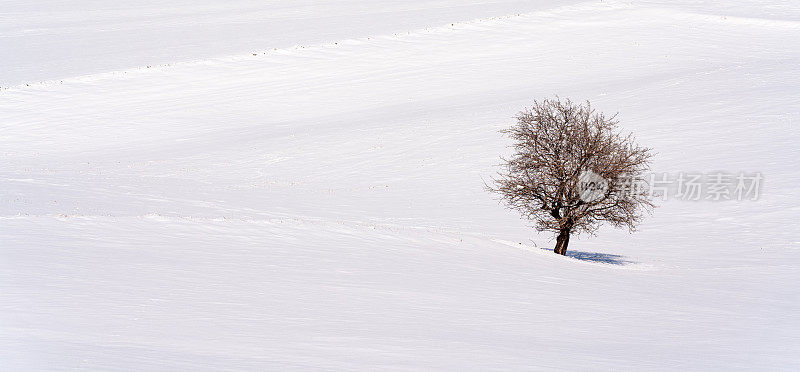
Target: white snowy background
<point x="300" y="185"/>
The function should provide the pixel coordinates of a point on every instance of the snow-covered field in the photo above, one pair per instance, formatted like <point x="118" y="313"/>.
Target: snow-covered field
<point x="300" y="185"/>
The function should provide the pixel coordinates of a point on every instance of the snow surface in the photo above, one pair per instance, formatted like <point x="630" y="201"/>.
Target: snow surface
<point x="320" y="204"/>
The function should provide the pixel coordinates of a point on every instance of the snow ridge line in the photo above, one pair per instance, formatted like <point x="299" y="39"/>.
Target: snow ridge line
<point x="452" y="234"/>
<point x="737" y="20"/>
<point x="453" y="26"/>
<point x="154" y="216"/>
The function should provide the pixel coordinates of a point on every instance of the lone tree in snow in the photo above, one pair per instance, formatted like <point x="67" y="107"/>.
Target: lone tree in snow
<point x="572" y="171"/>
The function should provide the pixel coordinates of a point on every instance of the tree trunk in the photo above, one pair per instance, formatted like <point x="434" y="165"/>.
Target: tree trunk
<point x="562" y="242"/>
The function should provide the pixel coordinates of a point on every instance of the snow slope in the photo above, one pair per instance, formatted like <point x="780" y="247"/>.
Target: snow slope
<point x="48" y="40"/>
<point x="321" y="206"/>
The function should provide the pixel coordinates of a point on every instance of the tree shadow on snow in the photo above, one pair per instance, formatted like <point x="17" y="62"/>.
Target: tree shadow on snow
<point x="606" y="258"/>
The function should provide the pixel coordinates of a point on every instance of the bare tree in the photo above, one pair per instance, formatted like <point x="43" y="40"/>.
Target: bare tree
<point x="572" y="171"/>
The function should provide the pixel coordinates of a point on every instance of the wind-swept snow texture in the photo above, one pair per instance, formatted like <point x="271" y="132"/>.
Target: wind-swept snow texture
<point x="300" y="185"/>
